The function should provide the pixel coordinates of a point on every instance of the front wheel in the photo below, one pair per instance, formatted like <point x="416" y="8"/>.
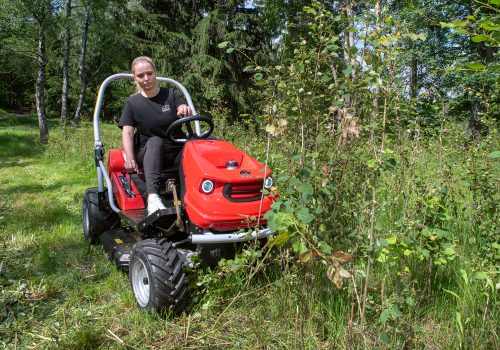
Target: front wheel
<point x="95" y="221"/>
<point x="157" y="276"/>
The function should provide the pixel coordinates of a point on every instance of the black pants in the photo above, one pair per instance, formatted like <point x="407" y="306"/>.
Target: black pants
<point x="155" y="156"/>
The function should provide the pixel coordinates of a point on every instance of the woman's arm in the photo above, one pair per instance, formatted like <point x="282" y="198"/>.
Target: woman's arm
<point x="128" y="146"/>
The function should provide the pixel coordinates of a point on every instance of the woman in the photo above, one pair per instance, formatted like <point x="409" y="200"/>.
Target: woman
<point x="150" y="111"/>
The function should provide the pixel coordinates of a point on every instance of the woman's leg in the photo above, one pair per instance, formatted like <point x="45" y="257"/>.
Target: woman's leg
<point x="153" y="158"/>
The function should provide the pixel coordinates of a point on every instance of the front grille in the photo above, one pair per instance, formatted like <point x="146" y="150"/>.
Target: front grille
<point x="243" y="192"/>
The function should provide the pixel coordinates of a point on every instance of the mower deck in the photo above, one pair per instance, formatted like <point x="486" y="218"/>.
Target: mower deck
<point x="118" y="244"/>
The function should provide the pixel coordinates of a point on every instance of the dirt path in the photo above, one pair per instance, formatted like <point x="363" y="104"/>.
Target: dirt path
<point x="17" y="112"/>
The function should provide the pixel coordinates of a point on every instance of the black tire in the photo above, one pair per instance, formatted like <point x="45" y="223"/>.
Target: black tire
<point x="94" y="220"/>
<point x="157" y="276"/>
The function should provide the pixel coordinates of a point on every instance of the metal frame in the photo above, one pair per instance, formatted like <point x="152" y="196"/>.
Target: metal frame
<point x="207" y="237"/>
<point x="98" y="146"/>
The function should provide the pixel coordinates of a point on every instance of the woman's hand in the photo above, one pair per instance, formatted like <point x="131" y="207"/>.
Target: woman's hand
<point x="183" y="110"/>
<point x="130" y="165"/>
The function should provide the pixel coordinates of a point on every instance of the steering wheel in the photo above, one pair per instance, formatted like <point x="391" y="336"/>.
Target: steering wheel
<point x="176" y="126"/>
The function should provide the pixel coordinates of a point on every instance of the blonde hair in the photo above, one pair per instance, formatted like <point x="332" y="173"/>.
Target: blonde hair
<point x="138" y="60"/>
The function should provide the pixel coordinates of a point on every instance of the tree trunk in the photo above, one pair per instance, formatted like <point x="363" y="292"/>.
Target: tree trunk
<point x="40" y="85"/>
<point x="375" y="104"/>
<point x="413" y="74"/>
<point x="348" y="44"/>
<point x="349" y="39"/>
<point x="474" y="125"/>
<point x="485" y="54"/>
<point x="65" y="82"/>
<point x="83" y="74"/>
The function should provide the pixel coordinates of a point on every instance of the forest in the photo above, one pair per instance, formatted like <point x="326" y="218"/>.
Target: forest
<point x="379" y="120"/>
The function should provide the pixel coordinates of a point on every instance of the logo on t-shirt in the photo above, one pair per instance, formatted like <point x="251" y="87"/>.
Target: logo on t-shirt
<point x="165" y="108"/>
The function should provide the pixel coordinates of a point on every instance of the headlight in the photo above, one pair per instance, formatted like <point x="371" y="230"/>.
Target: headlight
<point x="207" y="186"/>
<point x="268" y="182"/>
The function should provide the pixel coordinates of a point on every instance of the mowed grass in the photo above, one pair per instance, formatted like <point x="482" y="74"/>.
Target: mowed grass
<point x="58" y="292"/>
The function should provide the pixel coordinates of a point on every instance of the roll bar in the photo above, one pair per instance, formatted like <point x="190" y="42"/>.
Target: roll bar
<point x="98" y="146"/>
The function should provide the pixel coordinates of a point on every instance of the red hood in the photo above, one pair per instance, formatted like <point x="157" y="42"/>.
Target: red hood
<point x="223" y="208"/>
<point x="211" y="157"/>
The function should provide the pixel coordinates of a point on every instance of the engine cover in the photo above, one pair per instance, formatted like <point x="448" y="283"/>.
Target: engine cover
<point x="238" y="198"/>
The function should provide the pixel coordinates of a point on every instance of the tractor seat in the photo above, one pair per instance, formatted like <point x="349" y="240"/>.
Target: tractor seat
<point x="115" y="162"/>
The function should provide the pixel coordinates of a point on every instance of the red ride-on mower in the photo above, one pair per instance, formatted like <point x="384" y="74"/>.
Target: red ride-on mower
<point x="215" y="198"/>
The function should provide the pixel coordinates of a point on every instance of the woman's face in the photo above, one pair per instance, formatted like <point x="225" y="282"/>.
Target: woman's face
<point x="145" y="75"/>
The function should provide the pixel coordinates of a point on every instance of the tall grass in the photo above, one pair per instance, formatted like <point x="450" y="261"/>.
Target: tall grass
<point x="57" y="292"/>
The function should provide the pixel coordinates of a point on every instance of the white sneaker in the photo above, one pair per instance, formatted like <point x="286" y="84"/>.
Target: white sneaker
<point x="154" y="204"/>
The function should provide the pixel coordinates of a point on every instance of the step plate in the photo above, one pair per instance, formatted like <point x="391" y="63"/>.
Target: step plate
<point x="141" y="222"/>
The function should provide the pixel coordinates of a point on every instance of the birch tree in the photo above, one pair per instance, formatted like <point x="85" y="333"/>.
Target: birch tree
<point x="41" y="13"/>
<point x="81" y="66"/>
<point x="66" y="46"/>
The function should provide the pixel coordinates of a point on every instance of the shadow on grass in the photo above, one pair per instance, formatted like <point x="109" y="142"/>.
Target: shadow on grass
<point x="29" y="120"/>
<point x="14" y="148"/>
<point x="41" y="223"/>
<point x="50" y="217"/>
<point x="40" y="188"/>
<point x="17" y="146"/>
<point x="39" y="205"/>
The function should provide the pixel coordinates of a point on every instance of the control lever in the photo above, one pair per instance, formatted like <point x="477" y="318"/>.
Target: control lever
<point x="171" y="188"/>
<point x="125" y="180"/>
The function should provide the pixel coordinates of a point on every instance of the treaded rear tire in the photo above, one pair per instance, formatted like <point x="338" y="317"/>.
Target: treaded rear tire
<point x="94" y="220"/>
<point x="157" y="276"/>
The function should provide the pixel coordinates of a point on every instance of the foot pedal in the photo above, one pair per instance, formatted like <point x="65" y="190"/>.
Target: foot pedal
<point x="118" y="244"/>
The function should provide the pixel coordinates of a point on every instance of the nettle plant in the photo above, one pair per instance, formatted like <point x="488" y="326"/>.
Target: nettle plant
<point x="426" y="236"/>
<point x="481" y="176"/>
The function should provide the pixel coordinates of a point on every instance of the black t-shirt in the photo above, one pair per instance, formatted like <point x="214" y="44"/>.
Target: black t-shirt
<point x="152" y="116"/>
